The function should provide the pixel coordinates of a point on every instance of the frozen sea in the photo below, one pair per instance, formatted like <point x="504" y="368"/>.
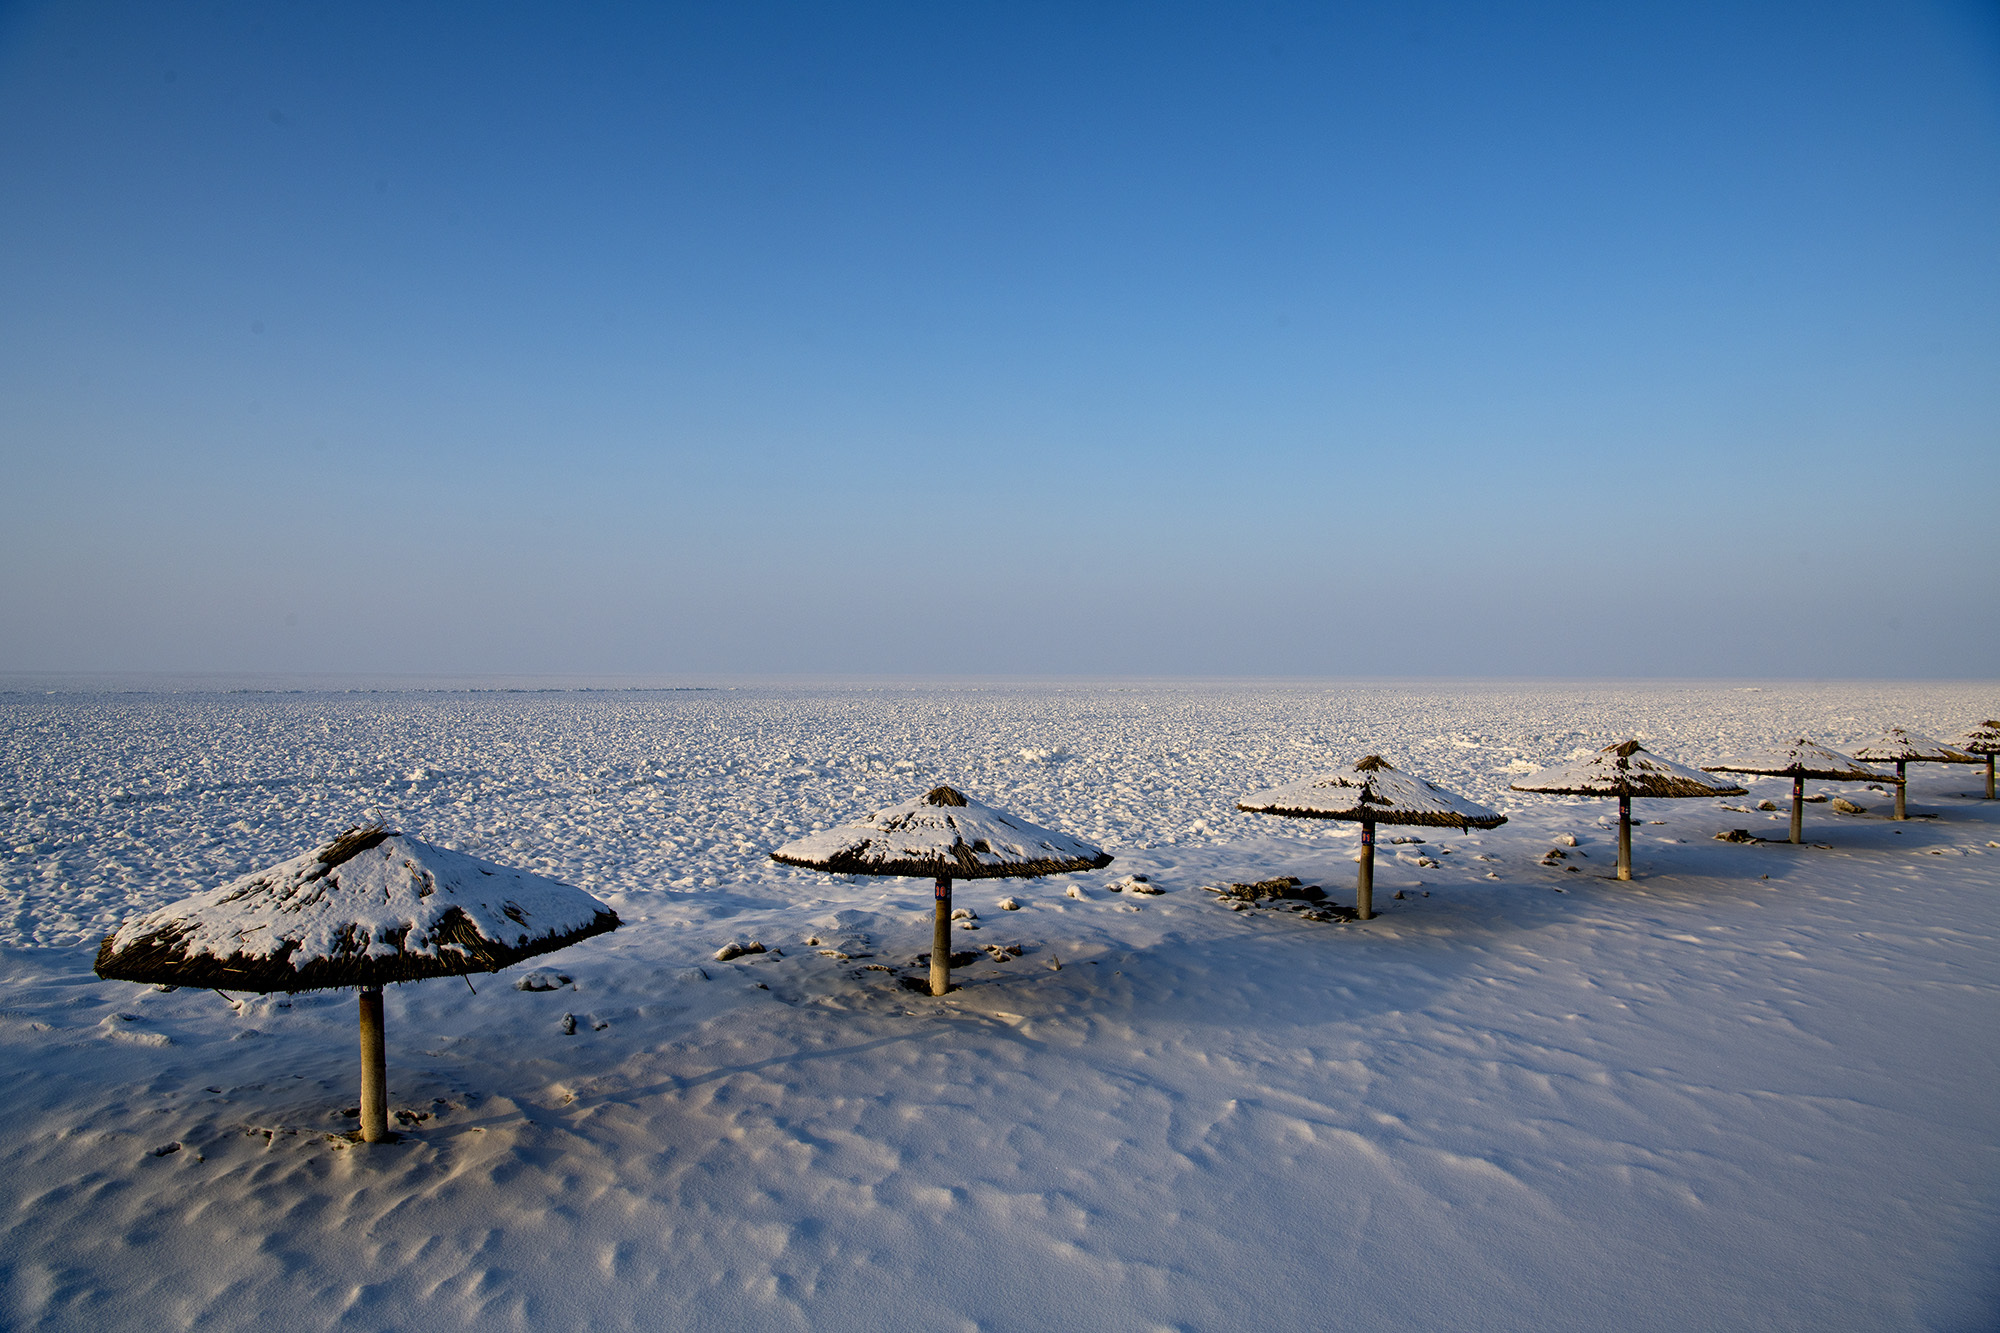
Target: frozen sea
<point x="1757" y="1087"/>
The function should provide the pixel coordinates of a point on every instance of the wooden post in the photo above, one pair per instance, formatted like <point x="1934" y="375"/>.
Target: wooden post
<point x="941" y="939"/>
<point x="1798" y="809"/>
<point x="1364" y="888"/>
<point x="1624" y="837"/>
<point x="1902" y="786"/>
<point x="374" y="1069"/>
<point x="1989" y="776"/>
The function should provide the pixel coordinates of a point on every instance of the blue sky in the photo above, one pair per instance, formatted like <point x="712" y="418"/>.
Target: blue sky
<point x="1307" y="340"/>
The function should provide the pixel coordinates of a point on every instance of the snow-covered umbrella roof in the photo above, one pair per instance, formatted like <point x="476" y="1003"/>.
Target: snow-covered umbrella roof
<point x="1372" y="789"/>
<point x="1900" y="745"/>
<point x="1625" y="769"/>
<point x="1800" y="759"/>
<point x="368" y="908"/>
<point x="942" y="834"/>
<point x="1981" y="739"/>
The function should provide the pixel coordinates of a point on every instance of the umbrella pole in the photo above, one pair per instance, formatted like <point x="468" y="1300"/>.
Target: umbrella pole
<point x="374" y="1069"/>
<point x="941" y="939"/>
<point x="1625" y="837"/>
<point x="1798" y="809"/>
<point x="1364" y="888"/>
<point x="1902" y="787"/>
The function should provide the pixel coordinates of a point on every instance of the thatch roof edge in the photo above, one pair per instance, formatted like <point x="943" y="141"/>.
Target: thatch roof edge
<point x="1683" y="789"/>
<point x="155" y="958"/>
<point x="1863" y="774"/>
<point x="852" y="862"/>
<point x="1425" y="819"/>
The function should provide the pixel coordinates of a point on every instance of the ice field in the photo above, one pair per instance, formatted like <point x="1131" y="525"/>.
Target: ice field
<point x="1756" y="1087"/>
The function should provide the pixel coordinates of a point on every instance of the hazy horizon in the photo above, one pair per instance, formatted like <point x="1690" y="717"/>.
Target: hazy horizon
<point x="448" y="682"/>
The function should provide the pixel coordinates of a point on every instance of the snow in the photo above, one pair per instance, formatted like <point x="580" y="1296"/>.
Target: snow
<point x="1800" y="758"/>
<point x="398" y="899"/>
<point x="1900" y="745"/>
<point x="1371" y="788"/>
<point x="1980" y="738"/>
<point x="1751" y="1089"/>
<point x="943" y="832"/>
<point x="1625" y="769"/>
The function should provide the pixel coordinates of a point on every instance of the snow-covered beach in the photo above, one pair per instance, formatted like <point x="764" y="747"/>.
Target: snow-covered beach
<point x="1753" y="1088"/>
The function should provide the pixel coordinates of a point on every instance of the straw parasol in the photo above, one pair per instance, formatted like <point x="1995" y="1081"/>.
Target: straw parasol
<point x="1372" y="791"/>
<point x="942" y="835"/>
<point x="1983" y="739"/>
<point x="370" y="907"/>
<point x="1625" y="770"/>
<point x="1899" y="746"/>
<point x="1798" y="761"/>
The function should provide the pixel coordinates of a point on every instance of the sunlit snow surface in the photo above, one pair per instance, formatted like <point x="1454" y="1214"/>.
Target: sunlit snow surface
<point x="1701" y="1099"/>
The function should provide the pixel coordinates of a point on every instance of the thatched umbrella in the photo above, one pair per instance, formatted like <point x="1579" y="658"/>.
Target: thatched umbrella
<point x="1798" y="761"/>
<point x="1900" y="747"/>
<point x="941" y="836"/>
<point x="1625" y="770"/>
<point x="1983" y="739"/>
<point x="370" y="907"/>
<point x="1371" y="792"/>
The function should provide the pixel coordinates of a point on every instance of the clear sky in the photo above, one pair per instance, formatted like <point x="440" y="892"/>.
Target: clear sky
<point x="1446" y="339"/>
